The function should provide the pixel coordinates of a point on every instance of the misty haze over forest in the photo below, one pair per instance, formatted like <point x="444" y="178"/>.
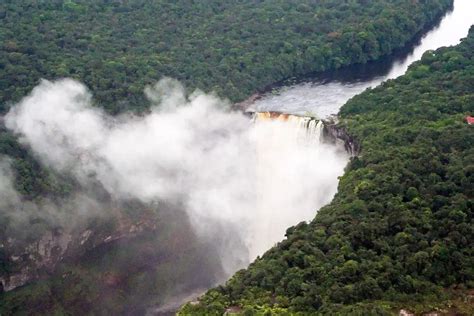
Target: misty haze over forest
<point x="228" y="172"/>
<point x="256" y="158"/>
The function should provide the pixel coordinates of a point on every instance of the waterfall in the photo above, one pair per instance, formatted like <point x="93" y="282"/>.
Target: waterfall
<point x="296" y="174"/>
<point x="315" y="130"/>
<point x="305" y="129"/>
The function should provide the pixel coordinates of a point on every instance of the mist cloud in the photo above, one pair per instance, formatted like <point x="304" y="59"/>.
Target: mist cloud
<point x="238" y="181"/>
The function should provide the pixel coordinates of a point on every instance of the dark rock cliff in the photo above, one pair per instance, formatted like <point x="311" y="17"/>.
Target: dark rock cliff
<point x="30" y="261"/>
<point x="334" y="132"/>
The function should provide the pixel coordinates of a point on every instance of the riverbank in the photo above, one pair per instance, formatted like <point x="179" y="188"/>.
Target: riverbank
<point x="397" y="235"/>
<point x="211" y="47"/>
<point x="348" y="75"/>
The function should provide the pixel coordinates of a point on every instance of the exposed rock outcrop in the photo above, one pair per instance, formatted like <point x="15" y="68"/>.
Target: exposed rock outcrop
<point x="35" y="259"/>
<point x="334" y="132"/>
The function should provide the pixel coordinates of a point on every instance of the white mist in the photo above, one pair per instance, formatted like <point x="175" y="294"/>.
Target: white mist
<point x="258" y="178"/>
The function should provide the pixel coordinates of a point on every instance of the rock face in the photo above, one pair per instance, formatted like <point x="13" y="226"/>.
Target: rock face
<point x="33" y="260"/>
<point x="333" y="132"/>
<point x="28" y="261"/>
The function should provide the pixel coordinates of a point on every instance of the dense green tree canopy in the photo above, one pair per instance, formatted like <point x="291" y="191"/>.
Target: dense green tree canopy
<point x="401" y="227"/>
<point x="231" y="47"/>
<point x="117" y="47"/>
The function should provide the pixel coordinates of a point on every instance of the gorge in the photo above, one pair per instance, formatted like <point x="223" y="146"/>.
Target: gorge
<point x="143" y="207"/>
<point x="362" y="253"/>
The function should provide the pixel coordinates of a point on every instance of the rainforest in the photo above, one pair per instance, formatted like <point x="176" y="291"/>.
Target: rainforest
<point x="154" y="158"/>
<point x="399" y="231"/>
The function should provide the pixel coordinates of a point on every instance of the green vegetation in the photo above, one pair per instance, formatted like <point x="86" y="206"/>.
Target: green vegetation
<point x="400" y="231"/>
<point x="231" y="47"/>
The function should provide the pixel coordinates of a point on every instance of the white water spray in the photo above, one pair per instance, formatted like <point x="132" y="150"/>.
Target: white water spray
<point x="296" y="174"/>
<point x="242" y="184"/>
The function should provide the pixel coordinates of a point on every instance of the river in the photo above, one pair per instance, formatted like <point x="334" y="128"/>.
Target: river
<point x="323" y="95"/>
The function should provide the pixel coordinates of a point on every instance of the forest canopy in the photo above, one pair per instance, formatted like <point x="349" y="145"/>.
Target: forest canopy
<point x="235" y="48"/>
<point x="231" y="47"/>
<point x="400" y="230"/>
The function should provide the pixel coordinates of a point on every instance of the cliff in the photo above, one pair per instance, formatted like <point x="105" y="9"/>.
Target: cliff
<point x="32" y="260"/>
<point x="334" y="132"/>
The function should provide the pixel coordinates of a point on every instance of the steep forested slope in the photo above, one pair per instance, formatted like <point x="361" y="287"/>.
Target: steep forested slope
<point x="116" y="48"/>
<point x="400" y="230"/>
<point x="232" y="47"/>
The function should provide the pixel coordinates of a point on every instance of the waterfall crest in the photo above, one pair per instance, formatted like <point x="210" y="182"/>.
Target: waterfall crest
<point x="307" y="129"/>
